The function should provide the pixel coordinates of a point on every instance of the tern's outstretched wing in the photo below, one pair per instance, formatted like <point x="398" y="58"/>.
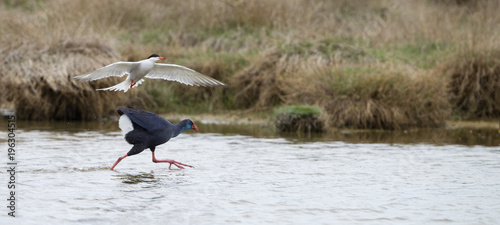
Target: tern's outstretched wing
<point x="181" y="74"/>
<point x="116" y="69"/>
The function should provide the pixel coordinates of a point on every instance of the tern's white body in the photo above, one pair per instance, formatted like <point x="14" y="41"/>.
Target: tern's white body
<point x="148" y="68"/>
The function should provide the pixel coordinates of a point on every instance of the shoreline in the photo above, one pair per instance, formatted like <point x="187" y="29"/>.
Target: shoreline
<point x="229" y="118"/>
<point x="241" y="118"/>
<point x="475" y="124"/>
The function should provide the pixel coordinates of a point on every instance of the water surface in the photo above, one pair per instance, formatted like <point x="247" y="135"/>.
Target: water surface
<point x="250" y="175"/>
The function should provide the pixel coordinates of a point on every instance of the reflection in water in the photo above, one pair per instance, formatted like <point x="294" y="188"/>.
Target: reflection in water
<point x="424" y="135"/>
<point x="137" y="178"/>
<point x="437" y="136"/>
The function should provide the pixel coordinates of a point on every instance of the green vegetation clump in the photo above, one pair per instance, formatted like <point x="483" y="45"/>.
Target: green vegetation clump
<point x="298" y="118"/>
<point x="299" y="110"/>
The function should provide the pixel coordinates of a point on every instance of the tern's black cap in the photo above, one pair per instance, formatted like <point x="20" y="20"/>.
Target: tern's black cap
<point x="153" y="55"/>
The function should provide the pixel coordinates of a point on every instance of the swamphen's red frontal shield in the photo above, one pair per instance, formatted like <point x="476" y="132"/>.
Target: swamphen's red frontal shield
<point x="144" y="130"/>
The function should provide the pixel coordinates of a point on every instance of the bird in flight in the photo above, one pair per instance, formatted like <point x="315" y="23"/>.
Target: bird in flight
<point x="144" y="130"/>
<point x="148" y="68"/>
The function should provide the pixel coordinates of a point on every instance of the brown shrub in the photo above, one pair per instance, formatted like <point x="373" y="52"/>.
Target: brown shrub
<point x="378" y="98"/>
<point x="38" y="80"/>
<point x="474" y="84"/>
<point x="259" y="84"/>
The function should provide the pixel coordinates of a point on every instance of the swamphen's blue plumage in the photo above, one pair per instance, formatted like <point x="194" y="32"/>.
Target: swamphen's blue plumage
<point x="144" y="130"/>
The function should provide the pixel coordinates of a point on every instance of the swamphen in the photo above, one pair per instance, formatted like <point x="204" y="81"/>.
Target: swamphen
<point x="144" y="129"/>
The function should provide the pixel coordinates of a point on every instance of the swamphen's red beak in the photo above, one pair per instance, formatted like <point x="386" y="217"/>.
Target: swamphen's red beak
<point x="195" y="127"/>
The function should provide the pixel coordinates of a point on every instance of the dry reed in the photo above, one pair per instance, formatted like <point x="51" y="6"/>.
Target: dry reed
<point x="38" y="80"/>
<point x="366" y="63"/>
<point x="474" y="86"/>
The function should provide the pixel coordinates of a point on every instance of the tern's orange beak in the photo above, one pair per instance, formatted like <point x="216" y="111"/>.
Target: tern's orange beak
<point x="161" y="58"/>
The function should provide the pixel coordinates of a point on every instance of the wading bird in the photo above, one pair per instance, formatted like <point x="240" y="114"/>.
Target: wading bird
<point x="148" y="68"/>
<point x="144" y="129"/>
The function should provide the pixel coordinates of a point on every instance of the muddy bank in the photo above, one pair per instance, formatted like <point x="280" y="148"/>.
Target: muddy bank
<point x="267" y="120"/>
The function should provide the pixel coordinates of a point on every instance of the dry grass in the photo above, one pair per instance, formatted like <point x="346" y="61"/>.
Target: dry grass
<point x="474" y="86"/>
<point x="373" y="97"/>
<point x="259" y="84"/>
<point x="369" y="64"/>
<point x="38" y="79"/>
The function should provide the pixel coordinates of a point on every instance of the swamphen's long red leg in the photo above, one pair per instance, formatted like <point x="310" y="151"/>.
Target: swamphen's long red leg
<point x="117" y="161"/>
<point x="178" y="164"/>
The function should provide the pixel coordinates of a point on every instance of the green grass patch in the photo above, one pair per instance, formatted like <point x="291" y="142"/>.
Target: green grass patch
<point x="298" y="110"/>
<point x="340" y="49"/>
<point x="299" y="118"/>
<point x="420" y="54"/>
<point x="357" y="80"/>
<point x="28" y="5"/>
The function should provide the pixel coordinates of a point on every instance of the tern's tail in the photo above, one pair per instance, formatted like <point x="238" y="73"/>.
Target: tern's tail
<point x="123" y="86"/>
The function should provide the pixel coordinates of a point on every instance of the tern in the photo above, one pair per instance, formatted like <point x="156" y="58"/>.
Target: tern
<point x="148" y="68"/>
